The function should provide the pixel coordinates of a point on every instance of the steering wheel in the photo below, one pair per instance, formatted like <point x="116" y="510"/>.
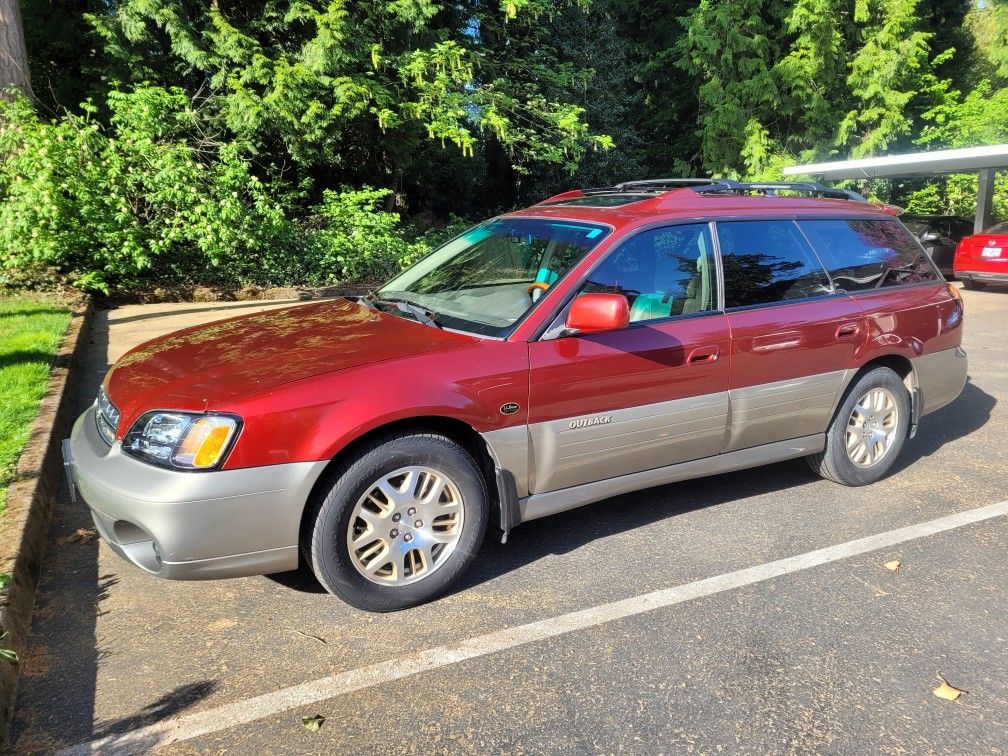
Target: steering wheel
<point x="537" y="286"/>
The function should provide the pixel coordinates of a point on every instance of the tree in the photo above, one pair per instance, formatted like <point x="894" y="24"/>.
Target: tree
<point x="353" y="93"/>
<point x="13" y="55"/>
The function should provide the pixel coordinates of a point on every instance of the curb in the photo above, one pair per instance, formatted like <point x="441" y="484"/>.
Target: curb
<point x="25" y="523"/>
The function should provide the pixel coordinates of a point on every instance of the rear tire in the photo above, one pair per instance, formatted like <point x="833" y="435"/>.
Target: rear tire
<point x="398" y="523"/>
<point x="969" y="283"/>
<point x="867" y="432"/>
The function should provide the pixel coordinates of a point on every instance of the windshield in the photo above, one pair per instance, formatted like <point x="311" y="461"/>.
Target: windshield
<point x="1000" y="228"/>
<point x="487" y="279"/>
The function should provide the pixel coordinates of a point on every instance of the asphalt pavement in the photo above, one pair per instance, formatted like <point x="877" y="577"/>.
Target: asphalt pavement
<point x="605" y="629"/>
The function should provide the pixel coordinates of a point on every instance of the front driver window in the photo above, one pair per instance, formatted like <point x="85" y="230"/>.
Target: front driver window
<point x="663" y="272"/>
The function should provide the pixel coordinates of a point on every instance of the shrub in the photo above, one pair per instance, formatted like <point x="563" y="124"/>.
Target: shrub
<point x="149" y="197"/>
<point x="145" y="196"/>
<point x="356" y="240"/>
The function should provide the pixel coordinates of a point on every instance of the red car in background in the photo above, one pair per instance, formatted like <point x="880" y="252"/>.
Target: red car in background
<point x="983" y="258"/>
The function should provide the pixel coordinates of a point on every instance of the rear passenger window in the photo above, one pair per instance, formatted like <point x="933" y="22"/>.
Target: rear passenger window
<point x="663" y="272"/>
<point x="767" y="262"/>
<point x="869" y="254"/>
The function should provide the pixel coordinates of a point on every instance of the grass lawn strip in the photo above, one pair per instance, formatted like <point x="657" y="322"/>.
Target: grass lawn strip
<point x="30" y="335"/>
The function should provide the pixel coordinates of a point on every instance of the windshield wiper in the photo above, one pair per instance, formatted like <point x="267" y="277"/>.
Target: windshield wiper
<point x="372" y="300"/>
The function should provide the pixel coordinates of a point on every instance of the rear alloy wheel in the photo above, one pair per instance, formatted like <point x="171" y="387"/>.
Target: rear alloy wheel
<point x="398" y="523"/>
<point x="867" y="431"/>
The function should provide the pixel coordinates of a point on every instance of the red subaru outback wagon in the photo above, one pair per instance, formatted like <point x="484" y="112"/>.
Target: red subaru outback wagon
<point x="597" y="343"/>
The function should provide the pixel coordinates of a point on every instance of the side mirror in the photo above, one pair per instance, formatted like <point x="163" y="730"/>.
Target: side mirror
<point x="930" y="236"/>
<point x="595" y="313"/>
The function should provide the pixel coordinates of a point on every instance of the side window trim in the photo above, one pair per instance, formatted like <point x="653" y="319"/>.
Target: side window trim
<point x="556" y="325"/>
<point x="718" y="265"/>
<point x="815" y="253"/>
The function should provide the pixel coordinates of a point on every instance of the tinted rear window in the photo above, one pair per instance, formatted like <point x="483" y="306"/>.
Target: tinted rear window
<point x="869" y="254"/>
<point x="767" y="262"/>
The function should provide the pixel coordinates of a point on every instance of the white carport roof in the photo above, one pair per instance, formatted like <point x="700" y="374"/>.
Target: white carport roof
<point x="967" y="160"/>
<point x="980" y="160"/>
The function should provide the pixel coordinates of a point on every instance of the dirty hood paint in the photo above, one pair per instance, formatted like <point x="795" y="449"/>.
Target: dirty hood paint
<point x="205" y="367"/>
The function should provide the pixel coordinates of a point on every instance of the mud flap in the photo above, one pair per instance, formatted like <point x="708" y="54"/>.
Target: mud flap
<point x="507" y="495"/>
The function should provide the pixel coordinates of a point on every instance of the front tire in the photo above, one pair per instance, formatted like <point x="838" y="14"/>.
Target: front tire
<point x="398" y="523"/>
<point x="867" y="432"/>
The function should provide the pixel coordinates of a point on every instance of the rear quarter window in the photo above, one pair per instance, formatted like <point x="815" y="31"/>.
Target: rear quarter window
<point x="869" y="254"/>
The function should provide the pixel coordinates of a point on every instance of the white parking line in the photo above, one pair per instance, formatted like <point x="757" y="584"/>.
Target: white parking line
<point x="194" y="725"/>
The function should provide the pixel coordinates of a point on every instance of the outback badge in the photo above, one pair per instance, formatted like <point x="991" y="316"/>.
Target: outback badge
<point x="509" y="409"/>
<point x="584" y="422"/>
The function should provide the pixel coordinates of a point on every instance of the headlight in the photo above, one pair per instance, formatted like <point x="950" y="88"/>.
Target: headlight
<point x="181" y="440"/>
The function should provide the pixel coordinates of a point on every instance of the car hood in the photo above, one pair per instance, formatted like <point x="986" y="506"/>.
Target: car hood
<point x="205" y="367"/>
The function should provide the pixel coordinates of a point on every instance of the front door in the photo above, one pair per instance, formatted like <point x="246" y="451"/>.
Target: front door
<point x="648" y="396"/>
<point x="794" y="338"/>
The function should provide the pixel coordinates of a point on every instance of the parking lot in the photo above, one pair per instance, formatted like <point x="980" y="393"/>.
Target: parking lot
<point x="673" y="619"/>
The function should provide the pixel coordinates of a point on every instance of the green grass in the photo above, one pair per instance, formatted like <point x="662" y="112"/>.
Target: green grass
<point x="30" y="336"/>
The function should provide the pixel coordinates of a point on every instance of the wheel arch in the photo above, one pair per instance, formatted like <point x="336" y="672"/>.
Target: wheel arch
<point x="457" y="430"/>
<point x="899" y="364"/>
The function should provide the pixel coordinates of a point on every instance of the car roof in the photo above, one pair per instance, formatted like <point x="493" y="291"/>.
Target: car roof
<point x="684" y="203"/>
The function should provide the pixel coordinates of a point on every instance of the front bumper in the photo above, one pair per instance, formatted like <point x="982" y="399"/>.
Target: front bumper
<point x="190" y="525"/>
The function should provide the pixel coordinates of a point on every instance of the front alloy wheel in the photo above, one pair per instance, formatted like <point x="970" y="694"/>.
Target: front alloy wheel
<point x="397" y="523"/>
<point x="406" y="526"/>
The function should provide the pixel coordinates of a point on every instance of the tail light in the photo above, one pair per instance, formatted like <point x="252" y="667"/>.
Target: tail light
<point x="955" y="317"/>
<point x="962" y="248"/>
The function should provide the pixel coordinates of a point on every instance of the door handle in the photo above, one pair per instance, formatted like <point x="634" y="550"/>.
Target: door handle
<point x="702" y="355"/>
<point x="847" y="330"/>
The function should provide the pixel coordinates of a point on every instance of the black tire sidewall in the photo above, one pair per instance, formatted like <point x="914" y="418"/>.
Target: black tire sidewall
<point x="328" y="552"/>
<point x="836" y="442"/>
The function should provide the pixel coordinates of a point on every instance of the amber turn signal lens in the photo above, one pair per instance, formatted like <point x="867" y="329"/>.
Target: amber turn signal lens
<point x="205" y="442"/>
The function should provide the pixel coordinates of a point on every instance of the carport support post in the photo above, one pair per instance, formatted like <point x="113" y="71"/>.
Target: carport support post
<point x="985" y="200"/>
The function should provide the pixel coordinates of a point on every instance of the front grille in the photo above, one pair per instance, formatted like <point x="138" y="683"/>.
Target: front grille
<point x="107" y="417"/>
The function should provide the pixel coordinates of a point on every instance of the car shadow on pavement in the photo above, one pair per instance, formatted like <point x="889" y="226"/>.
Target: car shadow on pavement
<point x="968" y="413"/>
<point x="56" y="686"/>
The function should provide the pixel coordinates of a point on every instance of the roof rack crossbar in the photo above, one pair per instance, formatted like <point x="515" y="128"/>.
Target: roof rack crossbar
<point x="727" y="186"/>
<point x="771" y="188"/>
<point x="649" y="185"/>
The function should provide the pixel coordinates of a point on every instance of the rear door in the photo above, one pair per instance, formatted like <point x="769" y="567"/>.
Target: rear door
<point x="794" y="337"/>
<point x="650" y="395"/>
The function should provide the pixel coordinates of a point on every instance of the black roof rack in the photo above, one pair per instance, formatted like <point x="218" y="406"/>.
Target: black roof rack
<point x="729" y="186"/>
<point x="650" y="185"/>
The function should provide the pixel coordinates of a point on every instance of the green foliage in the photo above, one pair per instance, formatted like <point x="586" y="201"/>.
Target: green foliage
<point x="318" y="78"/>
<point x="884" y="75"/>
<point x="726" y="45"/>
<point x="357" y="240"/>
<point x="151" y="197"/>
<point x="307" y="141"/>
<point x="147" y="194"/>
